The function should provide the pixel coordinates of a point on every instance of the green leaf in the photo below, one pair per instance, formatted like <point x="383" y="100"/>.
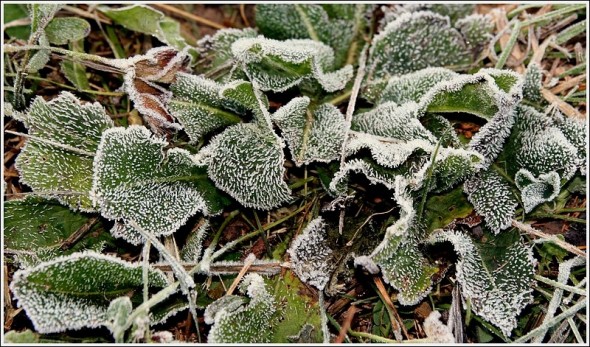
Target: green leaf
<point x="41" y="15"/>
<point x="279" y="65"/>
<point x="492" y="198"/>
<point x="442" y="209"/>
<point x="234" y="322"/>
<point x="575" y="132"/>
<point x="531" y="88"/>
<point x="312" y="135"/>
<point x="117" y="313"/>
<point x="57" y="160"/>
<point x="134" y="179"/>
<point x="497" y="277"/>
<point x="63" y="30"/>
<point x="337" y="26"/>
<point x="453" y="166"/>
<point x="295" y="313"/>
<point x="246" y="161"/>
<point x="193" y="247"/>
<point x="413" y="86"/>
<point x="415" y="41"/>
<point x="76" y="72"/>
<point x="453" y="11"/>
<point x="535" y="191"/>
<point x="14" y="12"/>
<point x="39" y="228"/>
<point x="476" y="30"/>
<point x="74" y="292"/>
<point x="146" y="20"/>
<point x="199" y="107"/>
<point x="41" y="57"/>
<point x="26" y="336"/>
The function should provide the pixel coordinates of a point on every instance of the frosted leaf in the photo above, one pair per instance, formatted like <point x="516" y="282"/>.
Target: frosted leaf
<point x="199" y="107"/>
<point x="412" y="86"/>
<point x="216" y="50"/>
<point x="496" y="279"/>
<point x="575" y="131"/>
<point x="476" y="30"/>
<point x="330" y="24"/>
<point x="451" y="167"/>
<point x="193" y="247"/>
<point x="415" y="41"/>
<point x="531" y="88"/>
<point x="491" y="196"/>
<point x="453" y="11"/>
<point x="135" y="179"/>
<point x="234" y="322"/>
<point x="280" y="65"/>
<point x="57" y="160"/>
<point x="483" y="94"/>
<point x="36" y="229"/>
<point x="540" y="146"/>
<point x="535" y="191"/>
<point x="389" y="120"/>
<point x="63" y="30"/>
<point x="398" y="255"/>
<point x="442" y="129"/>
<point x="490" y="139"/>
<point x="312" y="135"/>
<point x="242" y="93"/>
<point x="74" y="292"/>
<point x="311" y="257"/>
<point x="436" y="330"/>
<point x="246" y="161"/>
<point x="375" y="173"/>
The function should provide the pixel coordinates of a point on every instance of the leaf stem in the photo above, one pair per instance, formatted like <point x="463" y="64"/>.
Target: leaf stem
<point x="560" y="285"/>
<point x="341" y="98"/>
<point x="263" y="234"/>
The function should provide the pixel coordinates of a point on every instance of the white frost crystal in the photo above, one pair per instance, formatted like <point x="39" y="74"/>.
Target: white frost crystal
<point x="436" y="330"/>
<point x="310" y="256"/>
<point x="535" y="191"/>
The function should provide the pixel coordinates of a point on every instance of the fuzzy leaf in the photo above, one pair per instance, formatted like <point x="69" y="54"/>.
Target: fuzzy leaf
<point x="280" y="65"/>
<point x="477" y="30"/>
<point x="395" y="122"/>
<point x="193" y="247"/>
<point x="57" y="161"/>
<point x="42" y="14"/>
<point x="62" y="30"/>
<point x="117" y="313"/>
<point x="215" y="51"/>
<point x="234" y="322"/>
<point x="453" y="166"/>
<point x="453" y="11"/>
<point x="415" y="41"/>
<point x="575" y="132"/>
<point x="535" y="191"/>
<point x="413" y="86"/>
<point x="246" y="161"/>
<point x="312" y="135"/>
<point x="310" y="256"/>
<point x="329" y="24"/>
<point x="531" y="88"/>
<point x="199" y="107"/>
<point x="492" y="198"/>
<point x="135" y="179"/>
<point x="146" y="20"/>
<point x="39" y="228"/>
<point x="375" y="173"/>
<point x="496" y="278"/>
<point x="539" y="146"/>
<point x="74" y="292"/>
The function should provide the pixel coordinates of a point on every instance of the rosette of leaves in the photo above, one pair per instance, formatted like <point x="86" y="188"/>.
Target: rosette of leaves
<point x="541" y="154"/>
<point x="63" y="138"/>
<point x="74" y="292"/>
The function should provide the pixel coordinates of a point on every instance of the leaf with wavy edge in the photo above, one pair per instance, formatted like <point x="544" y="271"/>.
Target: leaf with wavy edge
<point x="535" y="191"/>
<point x="74" y="292"/>
<point x="280" y="65"/>
<point x="497" y="279"/>
<point x="234" y="321"/>
<point x="56" y="161"/>
<point x="135" y="179"/>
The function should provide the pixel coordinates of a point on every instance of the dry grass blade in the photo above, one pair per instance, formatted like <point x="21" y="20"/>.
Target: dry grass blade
<point x="563" y="106"/>
<point x="352" y="310"/>
<point x="247" y="263"/>
<point x="396" y="321"/>
<point x="532" y="231"/>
